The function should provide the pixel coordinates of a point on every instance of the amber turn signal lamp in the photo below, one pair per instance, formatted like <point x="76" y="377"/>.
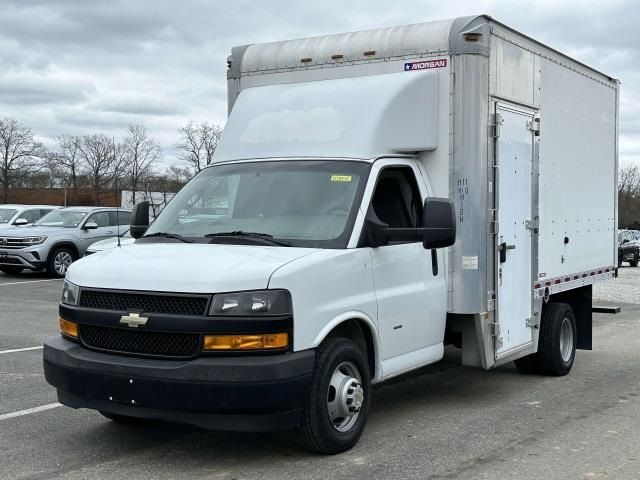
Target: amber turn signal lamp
<point x="68" y="328"/>
<point x="262" y="341"/>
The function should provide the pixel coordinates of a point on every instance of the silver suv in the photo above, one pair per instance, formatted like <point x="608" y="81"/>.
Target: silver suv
<point x="12" y="215"/>
<point x="58" y="238"/>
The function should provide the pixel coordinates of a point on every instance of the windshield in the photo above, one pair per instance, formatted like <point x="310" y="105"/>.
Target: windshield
<point x="7" y="214"/>
<point x="61" y="218"/>
<point x="304" y="202"/>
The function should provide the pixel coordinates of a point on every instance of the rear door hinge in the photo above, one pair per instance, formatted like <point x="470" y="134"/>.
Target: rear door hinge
<point x="533" y="225"/>
<point x="534" y="126"/>
<point x="495" y="125"/>
<point x="532" y="322"/>
<point x="494" y="329"/>
<point x="491" y="300"/>
<point x="494" y="225"/>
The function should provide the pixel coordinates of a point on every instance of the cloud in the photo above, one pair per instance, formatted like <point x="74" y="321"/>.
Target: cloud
<point x="82" y="67"/>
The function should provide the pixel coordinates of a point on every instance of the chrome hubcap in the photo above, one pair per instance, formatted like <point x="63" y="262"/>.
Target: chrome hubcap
<point x="566" y="339"/>
<point x="345" y="396"/>
<point x="61" y="262"/>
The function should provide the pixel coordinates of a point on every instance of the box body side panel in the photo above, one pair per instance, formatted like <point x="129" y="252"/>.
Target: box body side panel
<point x="578" y="164"/>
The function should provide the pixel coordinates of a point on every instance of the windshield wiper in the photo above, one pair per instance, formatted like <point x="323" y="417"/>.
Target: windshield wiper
<point x="168" y="235"/>
<point x="240" y="233"/>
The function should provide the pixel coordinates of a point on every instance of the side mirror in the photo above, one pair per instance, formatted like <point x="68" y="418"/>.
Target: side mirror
<point x="21" y="221"/>
<point x="438" y="223"/>
<point x="438" y="227"/>
<point x="623" y="241"/>
<point x="90" y="226"/>
<point x="139" y="219"/>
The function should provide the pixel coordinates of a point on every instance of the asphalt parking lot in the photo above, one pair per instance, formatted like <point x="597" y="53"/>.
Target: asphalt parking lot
<point x="445" y="421"/>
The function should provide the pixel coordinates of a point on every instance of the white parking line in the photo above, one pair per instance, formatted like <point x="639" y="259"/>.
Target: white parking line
<point x="32" y="281"/>
<point x="22" y="349"/>
<point x="29" y="411"/>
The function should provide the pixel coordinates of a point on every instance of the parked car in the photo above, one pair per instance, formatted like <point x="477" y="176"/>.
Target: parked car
<point x="20" y="215"/>
<point x="58" y="239"/>
<point x="100" y="245"/>
<point x="628" y="247"/>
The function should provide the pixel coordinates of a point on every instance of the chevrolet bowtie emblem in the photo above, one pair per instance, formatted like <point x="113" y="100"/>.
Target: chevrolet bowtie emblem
<point x="134" y="320"/>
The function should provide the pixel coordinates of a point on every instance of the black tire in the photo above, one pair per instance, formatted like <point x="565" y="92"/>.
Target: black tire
<point x="634" y="262"/>
<point x="317" y="430"/>
<point x="51" y="261"/>
<point x="549" y="344"/>
<point x="11" y="270"/>
<point x="529" y="364"/>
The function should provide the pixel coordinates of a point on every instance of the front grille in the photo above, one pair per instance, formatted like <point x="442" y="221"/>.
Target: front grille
<point x="140" y="342"/>
<point x="143" y="302"/>
<point x="13" y="243"/>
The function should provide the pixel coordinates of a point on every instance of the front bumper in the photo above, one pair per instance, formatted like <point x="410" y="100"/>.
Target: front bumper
<point x="252" y="393"/>
<point x="34" y="258"/>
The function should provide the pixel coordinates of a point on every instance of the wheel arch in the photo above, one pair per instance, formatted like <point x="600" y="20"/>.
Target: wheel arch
<point x="580" y="301"/>
<point x="360" y="328"/>
<point x="64" y="243"/>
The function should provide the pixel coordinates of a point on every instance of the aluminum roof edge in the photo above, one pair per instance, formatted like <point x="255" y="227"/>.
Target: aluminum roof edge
<point x="457" y="45"/>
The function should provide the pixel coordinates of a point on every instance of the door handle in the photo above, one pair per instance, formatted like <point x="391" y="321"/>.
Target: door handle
<point x="502" y="248"/>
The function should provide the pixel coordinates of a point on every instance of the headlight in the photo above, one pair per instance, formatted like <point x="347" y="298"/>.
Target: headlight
<point x="70" y="293"/>
<point x="258" y="302"/>
<point x="34" y="240"/>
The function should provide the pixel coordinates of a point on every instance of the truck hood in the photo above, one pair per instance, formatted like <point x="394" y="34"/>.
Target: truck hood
<point x="181" y="267"/>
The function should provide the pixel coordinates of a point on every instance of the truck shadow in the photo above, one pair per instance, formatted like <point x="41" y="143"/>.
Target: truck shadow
<point x="433" y="390"/>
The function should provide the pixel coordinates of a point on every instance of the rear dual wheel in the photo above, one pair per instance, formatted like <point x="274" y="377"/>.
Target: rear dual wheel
<point x="556" y="343"/>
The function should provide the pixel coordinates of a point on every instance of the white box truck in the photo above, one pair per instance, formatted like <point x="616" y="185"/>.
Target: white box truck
<point x="375" y="196"/>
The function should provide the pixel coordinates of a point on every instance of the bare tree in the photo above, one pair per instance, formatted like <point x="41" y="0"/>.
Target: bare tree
<point x="629" y="195"/>
<point x="20" y="154"/>
<point x="97" y="152"/>
<point x="141" y="153"/>
<point x="197" y="144"/>
<point x="67" y="163"/>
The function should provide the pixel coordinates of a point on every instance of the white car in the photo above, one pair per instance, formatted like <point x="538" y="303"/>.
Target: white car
<point x="12" y="215"/>
<point x="125" y="239"/>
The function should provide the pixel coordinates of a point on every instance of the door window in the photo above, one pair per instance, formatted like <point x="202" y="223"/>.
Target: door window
<point x="122" y="218"/>
<point x="100" y="218"/>
<point x="31" y="215"/>
<point x="396" y="200"/>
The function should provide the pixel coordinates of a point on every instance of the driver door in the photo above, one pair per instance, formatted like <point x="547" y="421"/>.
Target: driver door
<point x="409" y="282"/>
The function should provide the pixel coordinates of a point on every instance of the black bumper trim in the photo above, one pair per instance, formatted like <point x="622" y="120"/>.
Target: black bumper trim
<point x="239" y="393"/>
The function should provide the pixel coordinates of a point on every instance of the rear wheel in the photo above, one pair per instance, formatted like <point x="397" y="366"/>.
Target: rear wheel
<point x="337" y="408"/>
<point x="11" y="270"/>
<point x="556" y="344"/>
<point x="59" y="261"/>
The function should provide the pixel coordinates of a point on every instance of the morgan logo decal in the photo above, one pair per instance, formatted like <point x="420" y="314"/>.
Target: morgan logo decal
<point x="425" y="65"/>
<point x="134" y="320"/>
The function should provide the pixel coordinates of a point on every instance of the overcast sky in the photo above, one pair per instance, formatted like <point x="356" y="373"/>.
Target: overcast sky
<point x="91" y="66"/>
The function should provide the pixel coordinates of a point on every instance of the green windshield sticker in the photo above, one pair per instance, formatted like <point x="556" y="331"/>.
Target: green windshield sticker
<point x="340" y="178"/>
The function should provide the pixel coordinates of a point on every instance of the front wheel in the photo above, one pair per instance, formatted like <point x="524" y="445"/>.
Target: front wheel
<point x="634" y="261"/>
<point x="59" y="261"/>
<point x="337" y="408"/>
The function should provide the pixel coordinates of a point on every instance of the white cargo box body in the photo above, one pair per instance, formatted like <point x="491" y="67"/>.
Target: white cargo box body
<point x="520" y="136"/>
